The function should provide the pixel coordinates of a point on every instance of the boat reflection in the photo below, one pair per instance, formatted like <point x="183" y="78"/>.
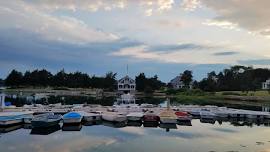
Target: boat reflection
<point x="45" y="131"/>
<point x="114" y="124"/>
<point x="71" y="127"/>
<point x="134" y="123"/>
<point x="210" y="121"/>
<point x="184" y="123"/>
<point x="10" y="128"/>
<point x="168" y="126"/>
<point x="92" y="123"/>
<point x="151" y="124"/>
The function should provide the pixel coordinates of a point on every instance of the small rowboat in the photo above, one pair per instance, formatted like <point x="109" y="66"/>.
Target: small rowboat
<point x="183" y="116"/>
<point x="87" y="117"/>
<point x="114" y="117"/>
<point x="72" y="118"/>
<point x="135" y="116"/>
<point x="46" y="121"/>
<point x="150" y="116"/>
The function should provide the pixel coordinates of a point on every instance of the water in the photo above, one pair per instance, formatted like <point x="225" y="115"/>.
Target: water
<point x="200" y="137"/>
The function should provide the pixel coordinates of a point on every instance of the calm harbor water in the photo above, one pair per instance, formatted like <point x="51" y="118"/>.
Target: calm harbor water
<point x="234" y="136"/>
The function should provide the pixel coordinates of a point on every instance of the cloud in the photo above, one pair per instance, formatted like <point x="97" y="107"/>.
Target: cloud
<point x="18" y="15"/>
<point x="225" y="53"/>
<point x="251" y="15"/>
<point x="174" y="47"/>
<point x="221" y="24"/>
<point x="185" y="54"/>
<point x="190" y="5"/>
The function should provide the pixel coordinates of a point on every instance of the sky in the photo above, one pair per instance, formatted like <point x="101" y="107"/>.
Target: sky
<point x="163" y="37"/>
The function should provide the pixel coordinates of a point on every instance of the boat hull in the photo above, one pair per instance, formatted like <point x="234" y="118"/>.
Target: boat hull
<point x="114" y="118"/>
<point x="168" y="120"/>
<point x="43" y="124"/>
<point x="10" y="122"/>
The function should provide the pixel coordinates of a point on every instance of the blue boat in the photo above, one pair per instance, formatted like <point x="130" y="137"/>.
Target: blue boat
<point x="72" y="118"/>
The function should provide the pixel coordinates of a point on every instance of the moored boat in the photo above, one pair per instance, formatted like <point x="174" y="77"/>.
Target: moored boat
<point x="135" y="116"/>
<point x="168" y="115"/>
<point x="114" y="117"/>
<point x="46" y="121"/>
<point x="183" y="116"/>
<point x="87" y="117"/>
<point x="205" y="114"/>
<point x="150" y="116"/>
<point x="72" y="118"/>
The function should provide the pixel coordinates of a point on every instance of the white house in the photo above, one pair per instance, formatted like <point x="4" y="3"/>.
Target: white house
<point x="126" y="85"/>
<point x="177" y="83"/>
<point x="266" y="85"/>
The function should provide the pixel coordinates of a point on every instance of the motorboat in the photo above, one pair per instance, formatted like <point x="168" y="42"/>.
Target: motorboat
<point x="114" y="116"/>
<point x="72" y="118"/>
<point x="135" y="116"/>
<point x="46" y="121"/>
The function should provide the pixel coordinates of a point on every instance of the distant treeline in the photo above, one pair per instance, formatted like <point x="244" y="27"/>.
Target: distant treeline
<point x="236" y="78"/>
<point x="44" y="78"/>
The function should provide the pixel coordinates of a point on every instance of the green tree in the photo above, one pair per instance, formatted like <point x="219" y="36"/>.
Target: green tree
<point x="186" y="78"/>
<point x="15" y="78"/>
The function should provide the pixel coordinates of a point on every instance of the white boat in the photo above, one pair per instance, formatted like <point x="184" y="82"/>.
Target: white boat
<point x="72" y="117"/>
<point x="90" y="116"/>
<point x="207" y="114"/>
<point x="135" y="116"/>
<point x="27" y="119"/>
<point x="114" y="117"/>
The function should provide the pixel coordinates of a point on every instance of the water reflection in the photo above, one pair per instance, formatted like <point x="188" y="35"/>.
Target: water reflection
<point x="195" y="136"/>
<point x="168" y="126"/>
<point x="71" y="127"/>
<point x="10" y="128"/>
<point x="45" y="131"/>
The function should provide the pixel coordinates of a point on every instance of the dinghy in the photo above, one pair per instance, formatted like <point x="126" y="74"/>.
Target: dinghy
<point x="168" y="115"/>
<point x="183" y="116"/>
<point x="46" y="121"/>
<point x="114" y="117"/>
<point x="135" y="116"/>
<point x="87" y="117"/>
<point x="150" y="116"/>
<point x="72" y="118"/>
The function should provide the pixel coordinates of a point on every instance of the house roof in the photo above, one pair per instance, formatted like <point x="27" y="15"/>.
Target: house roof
<point x="126" y="79"/>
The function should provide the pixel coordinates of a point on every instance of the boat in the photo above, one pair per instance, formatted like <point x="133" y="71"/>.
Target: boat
<point x="72" y="118"/>
<point x="29" y="118"/>
<point x="7" y="129"/>
<point x="183" y="116"/>
<point x="87" y="117"/>
<point x="205" y="114"/>
<point x="114" y="124"/>
<point x="135" y="116"/>
<point x="168" y="115"/>
<point x="12" y="118"/>
<point x="114" y="117"/>
<point x="46" y="121"/>
<point x="150" y="116"/>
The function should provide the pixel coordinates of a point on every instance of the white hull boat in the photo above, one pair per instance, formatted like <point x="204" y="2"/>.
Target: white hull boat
<point x="113" y="117"/>
<point x="207" y="115"/>
<point x="90" y="116"/>
<point x="135" y="116"/>
<point x="168" y="116"/>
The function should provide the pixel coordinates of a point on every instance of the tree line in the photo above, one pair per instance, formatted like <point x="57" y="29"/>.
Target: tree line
<point x="235" y="78"/>
<point x="44" y="78"/>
